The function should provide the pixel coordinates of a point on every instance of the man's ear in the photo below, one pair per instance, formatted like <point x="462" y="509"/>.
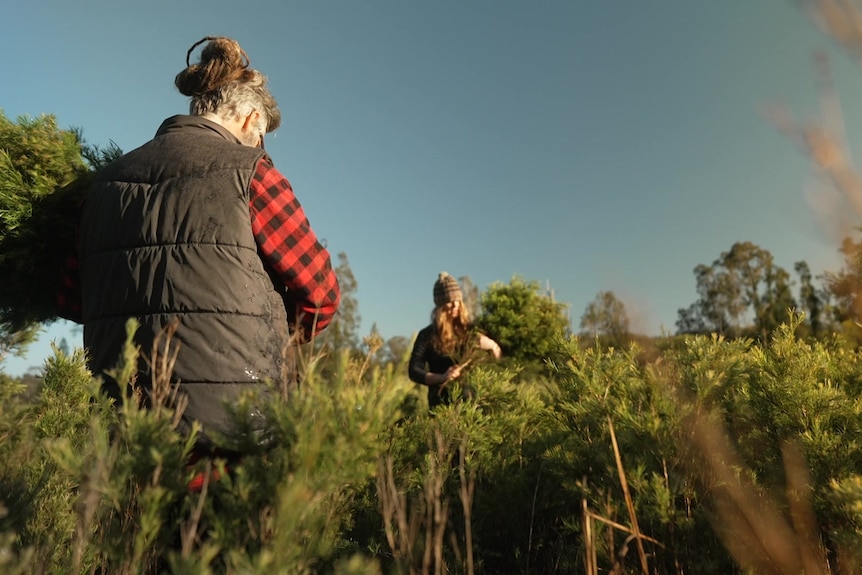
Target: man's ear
<point x="251" y="120"/>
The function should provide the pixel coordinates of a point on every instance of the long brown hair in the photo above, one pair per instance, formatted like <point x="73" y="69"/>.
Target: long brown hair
<point x="451" y="336"/>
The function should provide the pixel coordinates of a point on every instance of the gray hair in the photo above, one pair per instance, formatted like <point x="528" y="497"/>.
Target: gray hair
<point x="224" y="85"/>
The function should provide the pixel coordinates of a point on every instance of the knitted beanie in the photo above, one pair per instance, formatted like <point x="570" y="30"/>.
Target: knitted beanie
<point x="446" y="289"/>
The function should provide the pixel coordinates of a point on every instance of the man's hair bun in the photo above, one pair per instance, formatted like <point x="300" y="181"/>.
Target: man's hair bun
<point x="222" y="62"/>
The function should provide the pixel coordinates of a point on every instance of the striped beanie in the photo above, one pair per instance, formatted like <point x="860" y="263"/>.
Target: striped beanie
<point x="446" y="289"/>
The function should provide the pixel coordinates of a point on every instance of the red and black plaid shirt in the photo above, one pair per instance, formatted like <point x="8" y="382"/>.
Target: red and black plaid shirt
<point x="287" y="243"/>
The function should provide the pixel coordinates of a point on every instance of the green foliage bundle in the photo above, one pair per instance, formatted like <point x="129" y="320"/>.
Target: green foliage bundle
<point x="42" y="177"/>
<point x="44" y="174"/>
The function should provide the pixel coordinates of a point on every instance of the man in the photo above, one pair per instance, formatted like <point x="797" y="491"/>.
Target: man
<point x="196" y="229"/>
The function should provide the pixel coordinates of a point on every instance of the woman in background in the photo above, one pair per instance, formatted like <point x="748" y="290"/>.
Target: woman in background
<point x="443" y="348"/>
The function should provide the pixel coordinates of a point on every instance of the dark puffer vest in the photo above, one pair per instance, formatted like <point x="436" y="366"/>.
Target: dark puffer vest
<point x="166" y="235"/>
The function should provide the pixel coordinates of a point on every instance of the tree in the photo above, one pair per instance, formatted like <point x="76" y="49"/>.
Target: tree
<point x="525" y="322"/>
<point x="606" y="316"/>
<point x="814" y="301"/>
<point x="719" y="307"/>
<point x="743" y="292"/>
<point x="344" y="329"/>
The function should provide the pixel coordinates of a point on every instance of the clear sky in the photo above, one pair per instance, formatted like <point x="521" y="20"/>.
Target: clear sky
<point x="591" y="146"/>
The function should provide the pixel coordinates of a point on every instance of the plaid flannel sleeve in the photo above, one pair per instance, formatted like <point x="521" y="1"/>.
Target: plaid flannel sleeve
<point x="290" y="247"/>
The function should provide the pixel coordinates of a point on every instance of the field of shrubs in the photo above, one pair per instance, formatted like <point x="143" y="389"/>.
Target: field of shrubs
<point x="716" y="456"/>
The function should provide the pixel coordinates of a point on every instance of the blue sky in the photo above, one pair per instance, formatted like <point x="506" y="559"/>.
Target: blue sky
<point x="587" y="145"/>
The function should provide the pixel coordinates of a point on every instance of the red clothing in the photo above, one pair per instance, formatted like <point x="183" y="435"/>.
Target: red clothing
<point x="287" y="244"/>
<point x="291" y="249"/>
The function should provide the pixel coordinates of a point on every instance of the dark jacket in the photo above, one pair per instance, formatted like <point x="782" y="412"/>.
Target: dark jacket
<point x="166" y="236"/>
<point x="423" y="359"/>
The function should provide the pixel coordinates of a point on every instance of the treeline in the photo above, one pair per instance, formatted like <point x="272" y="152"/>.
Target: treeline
<point x="744" y="293"/>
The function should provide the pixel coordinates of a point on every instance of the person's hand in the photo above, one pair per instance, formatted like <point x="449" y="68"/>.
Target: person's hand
<point x="453" y="372"/>
<point x="489" y="344"/>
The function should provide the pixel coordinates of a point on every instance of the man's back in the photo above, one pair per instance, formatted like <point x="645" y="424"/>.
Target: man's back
<point x="197" y="231"/>
<point x="166" y="236"/>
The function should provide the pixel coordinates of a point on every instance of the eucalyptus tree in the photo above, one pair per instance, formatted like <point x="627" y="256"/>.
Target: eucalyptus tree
<point x="743" y="292"/>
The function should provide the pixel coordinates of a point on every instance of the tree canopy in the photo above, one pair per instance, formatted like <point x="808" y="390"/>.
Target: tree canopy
<point x="743" y="292"/>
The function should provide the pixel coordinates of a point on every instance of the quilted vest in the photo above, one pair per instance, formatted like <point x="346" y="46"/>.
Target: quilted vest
<point x="166" y="237"/>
